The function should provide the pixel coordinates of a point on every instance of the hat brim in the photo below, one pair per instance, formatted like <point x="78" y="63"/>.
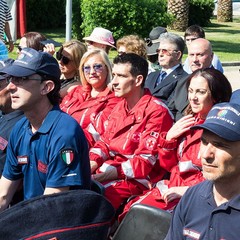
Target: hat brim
<point x="17" y="71"/>
<point x="152" y="50"/>
<point x="48" y="41"/>
<point x="98" y="41"/>
<point x="219" y="130"/>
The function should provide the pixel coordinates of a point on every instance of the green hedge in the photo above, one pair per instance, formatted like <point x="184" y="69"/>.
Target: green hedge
<point x="45" y="14"/>
<point x="200" y="12"/>
<point x="123" y="17"/>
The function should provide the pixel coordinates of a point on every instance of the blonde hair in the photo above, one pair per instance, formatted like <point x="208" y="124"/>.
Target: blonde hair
<point x="105" y="60"/>
<point x="133" y="44"/>
<point x="77" y="51"/>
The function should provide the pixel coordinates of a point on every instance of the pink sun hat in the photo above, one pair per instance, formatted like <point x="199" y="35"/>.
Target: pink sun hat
<point x="101" y="35"/>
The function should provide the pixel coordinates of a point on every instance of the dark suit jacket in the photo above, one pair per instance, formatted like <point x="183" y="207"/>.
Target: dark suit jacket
<point x="179" y="100"/>
<point x="165" y="90"/>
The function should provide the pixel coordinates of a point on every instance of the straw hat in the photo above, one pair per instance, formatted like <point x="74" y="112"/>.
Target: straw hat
<point x="101" y="35"/>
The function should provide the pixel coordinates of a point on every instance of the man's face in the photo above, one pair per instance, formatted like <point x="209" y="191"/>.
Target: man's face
<point x="168" y="55"/>
<point x="123" y="83"/>
<point x="200" y="55"/>
<point x="25" y="93"/>
<point x="220" y="158"/>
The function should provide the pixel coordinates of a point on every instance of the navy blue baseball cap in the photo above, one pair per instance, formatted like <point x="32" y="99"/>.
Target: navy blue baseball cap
<point x="3" y="64"/>
<point x="224" y="121"/>
<point x="31" y="62"/>
<point x="235" y="98"/>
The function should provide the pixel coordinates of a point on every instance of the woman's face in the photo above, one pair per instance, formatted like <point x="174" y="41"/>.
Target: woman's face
<point x="96" y="72"/>
<point x="66" y="64"/>
<point x="199" y="96"/>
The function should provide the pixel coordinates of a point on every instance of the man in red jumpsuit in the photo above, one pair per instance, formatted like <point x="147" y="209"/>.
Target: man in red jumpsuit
<point x="125" y="159"/>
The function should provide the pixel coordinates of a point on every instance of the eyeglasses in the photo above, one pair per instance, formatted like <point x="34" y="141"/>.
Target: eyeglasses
<point x="97" y="68"/>
<point x="65" y="60"/>
<point x="165" y="51"/>
<point x="18" y="81"/>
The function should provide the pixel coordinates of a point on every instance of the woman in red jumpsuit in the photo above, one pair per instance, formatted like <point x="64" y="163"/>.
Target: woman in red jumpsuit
<point x="91" y="103"/>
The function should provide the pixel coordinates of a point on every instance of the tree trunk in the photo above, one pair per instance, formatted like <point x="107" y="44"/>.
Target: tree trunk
<point x="224" y="11"/>
<point x="180" y="10"/>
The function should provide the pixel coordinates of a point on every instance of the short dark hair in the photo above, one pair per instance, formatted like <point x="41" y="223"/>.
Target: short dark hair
<point x="139" y="65"/>
<point x="53" y="96"/>
<point x="194" y="30"/>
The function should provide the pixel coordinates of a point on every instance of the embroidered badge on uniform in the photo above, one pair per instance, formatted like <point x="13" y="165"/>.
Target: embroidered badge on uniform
<point x="22" y="160"/>
<point x="67" y="156"/>
<point x="3" y="143"/>
<point x="150" y="143"/>
<point x="42" y="167"/>
<point x="136" y="136"/>
<point x="154" y="134"/>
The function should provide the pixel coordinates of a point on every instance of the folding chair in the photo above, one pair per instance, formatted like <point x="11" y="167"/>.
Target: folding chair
<point x="143" y="222"/>
<point x="71" y="215"/>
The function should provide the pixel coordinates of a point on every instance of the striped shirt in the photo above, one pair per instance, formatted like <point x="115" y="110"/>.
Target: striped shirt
<point x="5" y="16"/>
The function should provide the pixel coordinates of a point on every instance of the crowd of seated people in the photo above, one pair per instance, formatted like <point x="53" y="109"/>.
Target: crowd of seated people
<point x="137" y="120"/>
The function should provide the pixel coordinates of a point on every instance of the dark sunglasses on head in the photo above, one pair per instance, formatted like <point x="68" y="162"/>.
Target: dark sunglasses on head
<point x="65" y="60"/>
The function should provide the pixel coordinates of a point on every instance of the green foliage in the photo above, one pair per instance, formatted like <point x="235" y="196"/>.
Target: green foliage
<point x="200" y="12"/>
<point x="124" y="17"/>
<point x="76" y="19"/>
<point x="45" y="14"/>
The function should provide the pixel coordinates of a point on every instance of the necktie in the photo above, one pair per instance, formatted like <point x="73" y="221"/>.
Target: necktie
<point x="161" y="77"/>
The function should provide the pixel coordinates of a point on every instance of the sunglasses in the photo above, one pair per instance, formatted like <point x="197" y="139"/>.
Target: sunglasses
<point x="18" y="81"/>
<point x="65" y="60"/>
<point x="165" y="51"/>
<point x="98" y="68"/>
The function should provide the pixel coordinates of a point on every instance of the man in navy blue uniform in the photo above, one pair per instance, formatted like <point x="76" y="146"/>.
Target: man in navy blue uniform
<point x="211" y="209"/>
<point x="8" y="116"/>
<point x="47" y="148"/>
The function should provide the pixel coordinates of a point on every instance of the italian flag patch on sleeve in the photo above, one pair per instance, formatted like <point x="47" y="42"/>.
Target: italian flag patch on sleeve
<point x="67" y="156"/>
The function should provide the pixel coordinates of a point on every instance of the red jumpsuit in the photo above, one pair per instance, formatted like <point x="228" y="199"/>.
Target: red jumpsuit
<point x="188" y="171"/>
<point x="129" y="144"/>
<point x="90" y="112"/>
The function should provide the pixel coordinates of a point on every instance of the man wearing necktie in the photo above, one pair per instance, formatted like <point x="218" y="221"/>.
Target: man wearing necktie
<point x="162" y="75"/>
<point x="162" y="83"/>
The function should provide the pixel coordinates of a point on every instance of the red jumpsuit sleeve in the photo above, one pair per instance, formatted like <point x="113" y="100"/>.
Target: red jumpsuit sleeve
<point x="167" y="152"/>
<point x="99" y="153"/>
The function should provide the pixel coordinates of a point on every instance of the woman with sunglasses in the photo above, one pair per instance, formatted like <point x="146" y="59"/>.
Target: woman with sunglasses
<point x="91" y="103"/>
<point x="69" y="57"/>
<point x="179" y="147"/>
